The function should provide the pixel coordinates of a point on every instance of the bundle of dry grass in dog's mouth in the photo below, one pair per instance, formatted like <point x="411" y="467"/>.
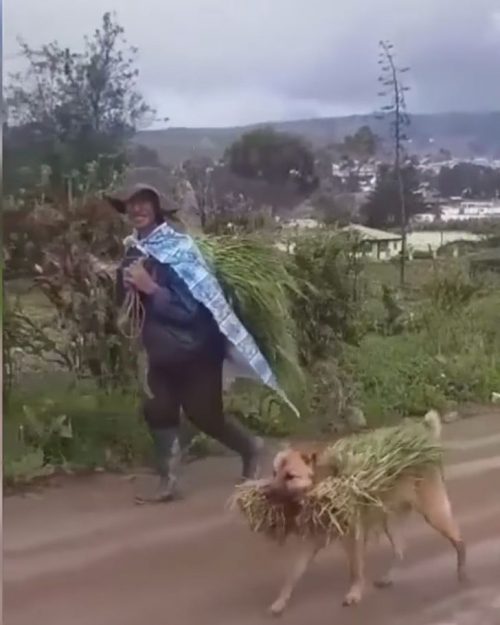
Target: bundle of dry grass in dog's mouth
<point x="364" y="469"/>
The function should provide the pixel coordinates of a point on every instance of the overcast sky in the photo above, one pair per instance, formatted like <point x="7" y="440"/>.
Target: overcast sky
<point x="227" y="62"/>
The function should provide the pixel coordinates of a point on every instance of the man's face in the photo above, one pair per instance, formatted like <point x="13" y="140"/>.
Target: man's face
<point x="140" y="211"/>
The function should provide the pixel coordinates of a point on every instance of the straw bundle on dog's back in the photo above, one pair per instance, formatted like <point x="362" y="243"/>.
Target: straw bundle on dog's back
<point x="363" y="469"/>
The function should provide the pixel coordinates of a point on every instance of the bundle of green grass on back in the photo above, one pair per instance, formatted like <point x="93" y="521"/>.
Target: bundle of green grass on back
<point x="256" y="282"/>
<point x="365" y="467"/>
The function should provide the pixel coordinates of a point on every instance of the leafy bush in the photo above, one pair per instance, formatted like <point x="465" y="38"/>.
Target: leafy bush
<point x="77" y="428"/>
<point x="273" y="156"/>
<point x="396" y="377"/>
<point x="449" y="290"/>
<point x="487" y="261"/>
<point x="23" y="338"/>
<point x="422" y="255"/>
<point x="328" y="305"/>
<point x="82" y="428"/>
<point x="259" y="409"/>
<point x="457" y="247"/>
<point x="77" y="276"/>
<point x="452" y="359"/>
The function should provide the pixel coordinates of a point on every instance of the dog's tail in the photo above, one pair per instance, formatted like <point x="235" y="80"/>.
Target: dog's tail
<point x="433" y="421"/>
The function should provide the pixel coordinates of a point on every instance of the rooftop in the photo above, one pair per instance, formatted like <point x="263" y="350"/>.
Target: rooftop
<point x="371" y="234"/>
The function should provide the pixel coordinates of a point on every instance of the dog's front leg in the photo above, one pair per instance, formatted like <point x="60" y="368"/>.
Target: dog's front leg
<point x="396" y="555"/>
<point x="354" y="544"/>
<point x="307" y="554"/>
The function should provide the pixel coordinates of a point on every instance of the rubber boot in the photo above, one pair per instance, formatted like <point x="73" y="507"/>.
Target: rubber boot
<point x="250" y="448"/>
<point x="252" y="462"/>
<point x="167" y="457"/>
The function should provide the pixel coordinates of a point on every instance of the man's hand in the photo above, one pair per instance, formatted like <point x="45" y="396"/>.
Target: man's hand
<point x="136" y="276"/>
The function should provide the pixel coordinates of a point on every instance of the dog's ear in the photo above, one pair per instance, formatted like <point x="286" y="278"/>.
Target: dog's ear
<point x="278" y="460"/>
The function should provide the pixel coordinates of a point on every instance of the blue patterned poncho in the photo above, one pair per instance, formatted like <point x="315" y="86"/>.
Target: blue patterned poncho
<point x="179" y="250"/>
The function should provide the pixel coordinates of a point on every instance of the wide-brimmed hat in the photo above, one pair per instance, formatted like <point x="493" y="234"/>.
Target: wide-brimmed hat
<point x="120" y="199"/>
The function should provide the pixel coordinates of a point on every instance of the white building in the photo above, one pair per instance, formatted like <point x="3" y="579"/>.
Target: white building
<point x="376" y="244"/>
<point x="302" y="223"/>
<point x="467" y="210"/>
<point x="423" y="218"/>
<point x="431" y="240"/>
<point x="366" y="173"/>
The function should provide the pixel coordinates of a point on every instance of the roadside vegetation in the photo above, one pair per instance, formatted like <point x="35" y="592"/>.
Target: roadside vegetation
<point x="369" y="349"/>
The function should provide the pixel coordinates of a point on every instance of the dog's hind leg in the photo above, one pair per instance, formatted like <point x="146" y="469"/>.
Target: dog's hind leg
<point x="434" y="505"/>
<point x="396" y="556"/>
<point x="308" y="552"/>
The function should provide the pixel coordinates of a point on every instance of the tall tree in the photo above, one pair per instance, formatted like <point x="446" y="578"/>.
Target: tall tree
<point x="362" y="145"/>
<point x="275" y="157"/>
<point x="383" y="209"/>
<point x="74" y="106"/>
<point x="469" y="180"/>
<point x="395" y="109"/>
<point x="141" y="156"/>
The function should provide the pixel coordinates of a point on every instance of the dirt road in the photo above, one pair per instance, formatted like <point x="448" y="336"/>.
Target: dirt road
<point x="83" y="554"/>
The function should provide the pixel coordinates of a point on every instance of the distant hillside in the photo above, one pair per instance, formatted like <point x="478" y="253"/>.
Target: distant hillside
<point x="464" y="134"/>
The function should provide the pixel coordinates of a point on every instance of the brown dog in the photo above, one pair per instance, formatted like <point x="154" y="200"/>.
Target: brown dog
<point x="296" y="472"/>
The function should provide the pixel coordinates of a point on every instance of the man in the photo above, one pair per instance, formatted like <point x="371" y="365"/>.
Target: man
<point x="184" y="345"/>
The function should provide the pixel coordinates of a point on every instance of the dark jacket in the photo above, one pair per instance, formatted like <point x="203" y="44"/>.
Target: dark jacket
<point x="177" y="328"/>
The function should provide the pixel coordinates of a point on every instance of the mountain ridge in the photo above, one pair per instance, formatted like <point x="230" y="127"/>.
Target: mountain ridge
<point x="463" y="134"/>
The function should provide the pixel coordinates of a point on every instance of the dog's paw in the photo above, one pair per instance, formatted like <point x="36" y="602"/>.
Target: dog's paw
<point x="353" y="597"/>
<point x="278" y="607"/>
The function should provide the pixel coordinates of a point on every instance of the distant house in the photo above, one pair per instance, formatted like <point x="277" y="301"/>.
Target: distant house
<point x="304" y="223"/>
<point x="291" y="228"/>
<point x="423" y="218"/>
<point x="431" y="240"/>
<point x="468" y="210"/>
<point x="376" y="244"/>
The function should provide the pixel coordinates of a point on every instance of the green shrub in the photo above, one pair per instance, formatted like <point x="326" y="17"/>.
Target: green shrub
<point x="77" y="428"/>
<point x="450" y="290"/>
<point x="396" y="377"/>
<point x="453" y="358"/>
<point x="260" y="409"/>
<point x="487" y="261"/>
<point x="470" y="376"/>
<point x="82" y="428"/>
<point x="328" y="306"/>
<point x="422" y="255"/>
<point x="24" y="337"/>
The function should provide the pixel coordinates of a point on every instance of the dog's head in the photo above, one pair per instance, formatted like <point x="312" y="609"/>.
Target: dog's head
<point x="293" y="474"/>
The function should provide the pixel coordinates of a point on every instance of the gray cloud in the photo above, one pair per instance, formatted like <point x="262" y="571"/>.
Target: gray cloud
<point x="222" y="62"/>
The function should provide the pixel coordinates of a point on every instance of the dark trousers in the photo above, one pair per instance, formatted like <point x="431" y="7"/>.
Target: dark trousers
<point x="196" y="387"/>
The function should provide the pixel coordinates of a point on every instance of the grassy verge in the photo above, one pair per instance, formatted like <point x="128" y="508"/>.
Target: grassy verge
<point x="72" y="428"/>
<point x="428" y="347"/>
<point x="452" y="359"/>
<point x="76" y="427"/>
